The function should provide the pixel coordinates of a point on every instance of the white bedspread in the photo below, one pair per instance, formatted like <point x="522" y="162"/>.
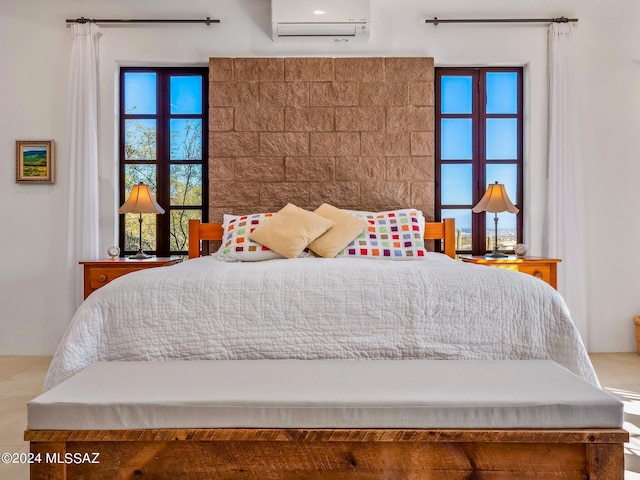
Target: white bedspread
<point x="311" y="308"/>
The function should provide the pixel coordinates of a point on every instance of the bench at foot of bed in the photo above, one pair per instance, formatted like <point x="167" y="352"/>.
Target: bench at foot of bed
<point x="272" y="420"/>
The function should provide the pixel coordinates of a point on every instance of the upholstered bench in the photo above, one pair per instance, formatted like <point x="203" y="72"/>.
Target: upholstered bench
<point x="326" y="419"/>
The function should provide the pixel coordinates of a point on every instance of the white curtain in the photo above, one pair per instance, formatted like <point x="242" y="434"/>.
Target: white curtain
<point x="565" y="221"/>
<point x="82" y="128"/>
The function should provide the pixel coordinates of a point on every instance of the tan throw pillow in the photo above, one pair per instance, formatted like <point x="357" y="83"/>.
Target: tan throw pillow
<point x="289" y="231"/>
<point x="346" y="229"/>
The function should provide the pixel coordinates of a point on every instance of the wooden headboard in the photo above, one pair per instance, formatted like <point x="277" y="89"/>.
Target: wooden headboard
<point x="444" y="231"/>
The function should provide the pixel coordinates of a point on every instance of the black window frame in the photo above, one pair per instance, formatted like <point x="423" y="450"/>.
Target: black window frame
<point x="163" y="160"/>
<point x="479" y="161"/>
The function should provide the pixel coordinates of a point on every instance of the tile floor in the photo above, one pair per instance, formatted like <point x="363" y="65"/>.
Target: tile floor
<point x="21" y="379"/>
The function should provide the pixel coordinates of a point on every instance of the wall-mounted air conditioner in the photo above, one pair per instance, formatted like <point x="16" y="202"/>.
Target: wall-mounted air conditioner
<point x="334" y="20"/>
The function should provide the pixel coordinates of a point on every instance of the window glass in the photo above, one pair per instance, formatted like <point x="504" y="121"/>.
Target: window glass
<point x="186" y="184"/>
<point x="135" y="173"/>
<point x="502" y="92"/>
<point x="132" y="231"/>
<point x="456" y="139"/>
<point x="186" y="95"/>
<point x="463" y="226"/>
<point x="456" y="184"/>
<point x="179" y="228"/>
<point x="502" y="139"/>
<point x="507" y="230"/>
<point x="456" y="94"/>
<point x="140" y="93"/>
<point x="140" y="139"/>
<point x="186" y="139"/>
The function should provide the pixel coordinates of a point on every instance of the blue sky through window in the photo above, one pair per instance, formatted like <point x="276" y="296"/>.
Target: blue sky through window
<point x="140" y="93"/>
<point x="186" y="95"/>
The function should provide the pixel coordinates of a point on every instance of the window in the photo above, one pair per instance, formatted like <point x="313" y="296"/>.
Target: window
<point x="163" y="143"/>
<point x="478" y="142"/>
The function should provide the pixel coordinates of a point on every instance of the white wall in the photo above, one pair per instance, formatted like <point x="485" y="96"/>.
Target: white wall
<point x="36" y="45"/>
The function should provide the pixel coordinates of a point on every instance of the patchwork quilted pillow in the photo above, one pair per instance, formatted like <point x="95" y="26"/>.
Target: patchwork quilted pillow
<point x="236" y="244"/>
<point x="391" y="235"/>
<point x="346" y="228"/>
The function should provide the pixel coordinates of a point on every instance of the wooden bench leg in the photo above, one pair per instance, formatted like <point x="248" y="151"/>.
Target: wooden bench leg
<point x="45" y="465"/>
<point x="605" y="461"/>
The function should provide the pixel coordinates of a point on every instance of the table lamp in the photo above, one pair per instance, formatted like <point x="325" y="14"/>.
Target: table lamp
<point x="140" y="201"/>
<point x="495" y="200"/>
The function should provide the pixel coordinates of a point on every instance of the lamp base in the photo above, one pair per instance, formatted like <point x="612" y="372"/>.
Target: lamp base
<point x="496" y="254"/>
<point x="140" y="256"/>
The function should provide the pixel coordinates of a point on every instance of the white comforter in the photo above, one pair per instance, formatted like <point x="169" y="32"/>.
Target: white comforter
<point x="322" y="308"/>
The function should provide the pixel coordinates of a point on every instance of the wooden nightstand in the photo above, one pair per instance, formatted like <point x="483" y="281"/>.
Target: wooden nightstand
<point x="542" y="268"/>
<point x="98" y="273"/>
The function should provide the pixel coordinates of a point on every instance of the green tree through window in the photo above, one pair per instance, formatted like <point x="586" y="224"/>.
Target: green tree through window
<point x="163" y="128"/>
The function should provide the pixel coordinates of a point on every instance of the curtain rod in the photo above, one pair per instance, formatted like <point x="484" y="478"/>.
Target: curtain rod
<point x="436" y="20"/>
<point x="207" y="21"/>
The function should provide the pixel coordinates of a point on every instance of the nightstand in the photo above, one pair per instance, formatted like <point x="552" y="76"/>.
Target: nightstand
<point x="98" y="273"/>
<point x="543" y="268"/>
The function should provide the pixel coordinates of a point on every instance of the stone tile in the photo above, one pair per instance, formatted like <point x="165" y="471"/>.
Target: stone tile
<point x="359" y="69"/>
<point x="307" y="169"/>
<point x="220" y="69"/>
<point x="333" y="94"/>
<point x="409" y="168"/>
<point x="409" y="69"/>
<point x="422" y="94"/>
<point x="360" y="168"/>
<point x="221" y="119"/>
<point x="389" y="193"/>
<point x="422" y="143"/>
<point x="233" y="144"/>
<point x="389" y="144"/>
<point x="223" y="194"/>
<point x="360" y="119"/>
<point x="308" y="119"/>
<point x="384" y="94"/>
<point x="259" y="169"/>
<point x="19" y="471"/>
<point x="347" y="143"/>
<point x="259" y="119"/>
<point x="11" y="365"/>
<point x="229" y="94"/>
<point x="410" y="119"/>
<point x="25" y="382"/>
<point x="339" y="194"/>
<point x="308" y="69"/>
<point x="422" y="193"/>
<point x="284" y="144"/>
<point x="285" y="94"/>
<point x="259" y="69"/>
<point x="221" y="168"/>
<point x="281" y="193"/>
<point x="322" y="143"/>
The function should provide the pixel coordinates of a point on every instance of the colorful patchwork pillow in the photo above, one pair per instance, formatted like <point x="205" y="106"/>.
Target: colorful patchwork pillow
<point x="392" y="235"/>
<point x="236" y="244"/>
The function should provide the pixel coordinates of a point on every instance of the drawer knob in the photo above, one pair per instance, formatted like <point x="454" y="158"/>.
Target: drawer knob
<point x="538" y="274"/>
<point x="102" y="278"/>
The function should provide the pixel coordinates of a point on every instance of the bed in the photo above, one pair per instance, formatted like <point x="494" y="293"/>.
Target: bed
<point x="434" y="307"/>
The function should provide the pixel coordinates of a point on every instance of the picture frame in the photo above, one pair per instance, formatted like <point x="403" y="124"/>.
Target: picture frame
<point x="35" y="161"/>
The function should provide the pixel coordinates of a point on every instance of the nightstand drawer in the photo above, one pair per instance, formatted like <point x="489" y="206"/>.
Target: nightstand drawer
<point x="543" y="272"/>
<point x="99" y="277"/>
<point x="543" y="268"/>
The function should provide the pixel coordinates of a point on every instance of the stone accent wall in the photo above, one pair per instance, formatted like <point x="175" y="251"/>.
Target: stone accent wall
<point x="353" y="132"/>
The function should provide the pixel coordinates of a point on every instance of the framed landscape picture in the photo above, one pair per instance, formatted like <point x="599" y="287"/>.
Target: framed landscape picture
<point x="34" y="161"/>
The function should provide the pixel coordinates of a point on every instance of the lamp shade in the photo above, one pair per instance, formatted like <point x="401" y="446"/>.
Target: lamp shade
<point x="140" y="201"/>
<point x="495" y="200"/>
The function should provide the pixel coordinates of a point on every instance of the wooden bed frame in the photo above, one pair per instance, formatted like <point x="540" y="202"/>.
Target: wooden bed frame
<point x="327" y="454"/>
<point x="444" y="231"/>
